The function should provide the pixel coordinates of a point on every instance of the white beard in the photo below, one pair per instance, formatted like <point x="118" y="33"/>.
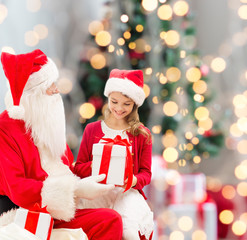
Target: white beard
<point x="45" y="118"/>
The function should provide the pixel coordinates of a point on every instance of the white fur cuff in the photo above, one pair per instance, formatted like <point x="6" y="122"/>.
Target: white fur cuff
<point x="58" y="195"/>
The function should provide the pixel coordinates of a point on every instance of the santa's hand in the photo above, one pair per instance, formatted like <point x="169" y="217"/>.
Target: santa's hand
<point x="90" y="187"/>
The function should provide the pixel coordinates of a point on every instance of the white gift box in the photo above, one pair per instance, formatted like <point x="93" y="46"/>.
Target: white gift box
<point x="188" y="220"/>
<point x="116" y="169"/>
<point x="190" y="188"/>
<point x="38" y="223"/>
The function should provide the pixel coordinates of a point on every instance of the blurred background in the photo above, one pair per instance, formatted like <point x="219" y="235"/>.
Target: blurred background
<point x="193" y="54"/>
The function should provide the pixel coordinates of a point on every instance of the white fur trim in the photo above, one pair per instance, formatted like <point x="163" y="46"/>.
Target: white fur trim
<point x="126" y="87"/>
<point x="16" y="112"/>
<point x="48" y="74"/>
<point x="58" y="195"/>
<point x="8" y="217"/>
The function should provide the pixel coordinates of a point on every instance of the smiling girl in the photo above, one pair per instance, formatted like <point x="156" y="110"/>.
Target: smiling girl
<point x="124" y="90"/>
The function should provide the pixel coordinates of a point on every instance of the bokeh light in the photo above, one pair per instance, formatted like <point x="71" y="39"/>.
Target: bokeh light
<point x="149" y="5"/>
<point x="165" y="12"/>
<point x="185" y="223"/>
<point x="3" y="12"/>
<point x="242" y="189"/>
<point x="31" y="38"/>
<point x="181" y="8"/>
<point x="95" y="26"/>
<point x="241" y="146"/>
<point x="206" y="124"/>
<point x="226" y="216"/>
<point x="242" y="12"/>
<point x="170" y="154"/>
<point x="98" y="61"/>
<point x="139" y="28"/>
<point x="201" y="113"/>
<point x="169" y="139"/>
<point x="172" y="38"/>
<point x="33" y="5"/>
<point x="87" y="110"/>
<point x="228" y="192"/>
<point x="146" y="90"/>
<point x="124" y="18"/>
<point x="173" y="74"/>
<point x="175" y="235"/>
<point x="199" y="235"/>
<point x="193" y="74"/>
<point x="238" y="227"/>
<point x="218" y="65"/>
<point x="241" y="171"/>
<point x="200" y="87"/>
<point x="103" y="38"/>
<point x="170" y="108"/>
<point x="140" y="44"/>
<point x="41" y="30"/>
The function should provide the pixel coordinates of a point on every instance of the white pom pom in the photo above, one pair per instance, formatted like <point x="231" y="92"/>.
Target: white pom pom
<point x="16" y="112"/>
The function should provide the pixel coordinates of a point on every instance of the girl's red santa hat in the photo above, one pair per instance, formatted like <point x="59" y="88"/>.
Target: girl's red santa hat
<point x="26" y="72"/>
<point x="128" y="82"/>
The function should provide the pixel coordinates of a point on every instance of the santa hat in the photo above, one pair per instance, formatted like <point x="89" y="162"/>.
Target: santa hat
<point x="128" y="82"/>
<point x="24" y="72"/>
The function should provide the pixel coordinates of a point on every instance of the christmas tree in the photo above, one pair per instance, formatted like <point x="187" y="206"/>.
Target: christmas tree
<point x="158" y="38"/>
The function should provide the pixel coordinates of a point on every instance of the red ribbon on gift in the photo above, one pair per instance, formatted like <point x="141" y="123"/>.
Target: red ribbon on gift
<point x="36" y="208"/>
<point x="106" y="157"/>
<point x="33" y="215"/>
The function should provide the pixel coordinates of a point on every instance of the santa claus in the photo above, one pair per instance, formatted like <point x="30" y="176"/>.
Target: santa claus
<point x="35" y="161"/>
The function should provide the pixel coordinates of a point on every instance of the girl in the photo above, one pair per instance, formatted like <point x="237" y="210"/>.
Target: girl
<point x="124" y="90"/>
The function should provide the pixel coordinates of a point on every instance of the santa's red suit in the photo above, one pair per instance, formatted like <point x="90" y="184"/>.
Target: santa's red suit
<point x="30" y="173"/>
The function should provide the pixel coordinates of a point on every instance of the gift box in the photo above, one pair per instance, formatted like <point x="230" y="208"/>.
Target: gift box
<point x="37" y="221"/>
<point x="189" y="188"/>
<point x="157" y="191"/>
<point x="189" y="221"/>
<point x="113" y="158"/>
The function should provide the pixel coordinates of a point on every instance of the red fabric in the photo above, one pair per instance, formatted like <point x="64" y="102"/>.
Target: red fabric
<point x="105" y="161"/>
<point x="32" y="221"/>
<point x="142" y="237"/>
<point x="141" y="153"/>
<point x="21" y="175"/>
<point x="98" y="224"/>
<point x="18" y="68"/>
<point x="221" y="204"/>
<point x="136" y="76"/>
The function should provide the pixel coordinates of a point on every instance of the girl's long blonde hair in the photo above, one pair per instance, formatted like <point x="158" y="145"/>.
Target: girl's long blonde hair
<point x="136" y="127"/>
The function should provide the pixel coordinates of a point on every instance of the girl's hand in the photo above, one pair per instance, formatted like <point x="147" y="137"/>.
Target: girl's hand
<point x="134" y="182"/>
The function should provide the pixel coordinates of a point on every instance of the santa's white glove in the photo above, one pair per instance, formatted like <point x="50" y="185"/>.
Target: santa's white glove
<point x="90" y="187"/>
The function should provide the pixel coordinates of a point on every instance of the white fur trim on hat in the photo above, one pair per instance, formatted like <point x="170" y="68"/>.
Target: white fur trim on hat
<point x="16" y="112"/>
<point x="47" y="75"/>
<point x="127" y="88"/>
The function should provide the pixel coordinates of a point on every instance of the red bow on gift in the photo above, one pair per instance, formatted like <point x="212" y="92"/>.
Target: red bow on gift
<point x="109" y="142"/>
<point x="36" y="208"/>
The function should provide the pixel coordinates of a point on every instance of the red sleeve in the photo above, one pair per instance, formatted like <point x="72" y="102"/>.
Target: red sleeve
<point x="84" y="159"/>
<point x="143" y="156"/>
<point x="14" y="183"/>
<point x="68" y="158"/>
